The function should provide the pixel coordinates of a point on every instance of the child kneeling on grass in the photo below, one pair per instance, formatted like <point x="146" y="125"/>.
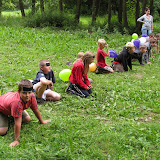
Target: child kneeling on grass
<point x="43" y="83"/>
<point x="79" y="83"/>
<point x="101" y="64"/>
<point x="124" y="59"/>
<point x="14" y="104"/>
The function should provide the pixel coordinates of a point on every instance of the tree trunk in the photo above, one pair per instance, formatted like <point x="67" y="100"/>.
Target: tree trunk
<point x="125" y="21"/>
<point x="33" y="6"/>
<point x="120" y="10"/>
<point x="42" y="6"/>
<point x="144" y="6"/>
<point x="78" y="11"/>
<point x="94" y="11"/>
<point x="151" y="7"/>
<point x="138" y="25"/>
<point x="109" y="13"/>
<point x="61" y="5"/>
<point x="97" y="6"/>
<point x="21" y="8"/>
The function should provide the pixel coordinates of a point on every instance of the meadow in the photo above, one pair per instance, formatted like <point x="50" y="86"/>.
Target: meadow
<point x="120" y="120"/>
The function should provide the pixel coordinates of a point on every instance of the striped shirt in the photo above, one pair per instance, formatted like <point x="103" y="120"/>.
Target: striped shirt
<point x="12" y="104"/>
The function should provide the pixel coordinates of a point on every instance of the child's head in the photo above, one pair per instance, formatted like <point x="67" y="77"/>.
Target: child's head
<point x="151" y="35"/>
<point x="130" y="47"/>
<point x="101" y="43"/>
<point x="143" y="48"/>
<point x="80" y="55"/>
<point x="153" y="42"/>
<point x="158" y="36"/>
<point x="44" y="65"/>
<point x="25" y="88"/>
<point x="87" y="59"/>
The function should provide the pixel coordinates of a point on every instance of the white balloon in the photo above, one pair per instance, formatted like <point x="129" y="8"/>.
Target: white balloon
<point x="142" y="40"/>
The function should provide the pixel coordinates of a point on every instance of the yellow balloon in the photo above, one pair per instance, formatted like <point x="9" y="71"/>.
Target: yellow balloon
<point x="92" y="67"/>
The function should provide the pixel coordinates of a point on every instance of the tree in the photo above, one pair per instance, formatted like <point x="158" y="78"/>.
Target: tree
<point x="120" y="10"/>
<point x="61" y="5"/>
<point x="125" y="21"/>
<point x="144" y="6"/>
<point x="109" y="13"/>
<point x="33" y="6"/>
<point x="94" y="11"/>
<point x="79" y="2"/>
<point x="42" y="6"/>
<point x="138" y="25"/>
<point x="151" y="7"/>
<point x="21" y="8"/>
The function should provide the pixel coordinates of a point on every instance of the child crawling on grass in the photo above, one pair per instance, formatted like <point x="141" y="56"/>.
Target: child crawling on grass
<point x="15" y="104"/>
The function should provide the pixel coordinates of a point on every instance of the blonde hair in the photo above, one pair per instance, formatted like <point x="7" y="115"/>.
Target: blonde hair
<point x="101" y="42"/>
<point x="80" y="55"/>
<point x="143" y="46"/>
<point x="86" y="59"/>
<point x="43" y="63"/>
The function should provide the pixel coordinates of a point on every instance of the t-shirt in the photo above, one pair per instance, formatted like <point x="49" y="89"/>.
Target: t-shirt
<point x="77" y="75"/>
<point x="12" y="104"/>
<point x="101" y="58"/>
<point x="148" y="22"/>
<point x="40" y="74"/>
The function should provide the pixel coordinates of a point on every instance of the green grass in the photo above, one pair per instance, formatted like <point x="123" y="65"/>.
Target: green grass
<point x="120" y="120"/>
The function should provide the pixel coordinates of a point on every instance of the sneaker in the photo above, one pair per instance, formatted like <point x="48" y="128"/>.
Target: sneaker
<point x="142" y="64"/>
<point x="40" y="101"/>
<point x="67" y="89"/>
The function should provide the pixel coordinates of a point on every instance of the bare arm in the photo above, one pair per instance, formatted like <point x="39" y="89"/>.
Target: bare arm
<point x="38" y="115"/>
<point x="108" y="54"/>
<point x="17" y="128"/>
<point x="45" y="81"/>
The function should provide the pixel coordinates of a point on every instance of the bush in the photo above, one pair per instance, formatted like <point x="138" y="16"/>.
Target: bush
<point x="50" y="18"/>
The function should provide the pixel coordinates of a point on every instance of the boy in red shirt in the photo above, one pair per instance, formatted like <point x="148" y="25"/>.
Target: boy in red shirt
<point x="101" y="64"/>
<point x="14" y="104"/>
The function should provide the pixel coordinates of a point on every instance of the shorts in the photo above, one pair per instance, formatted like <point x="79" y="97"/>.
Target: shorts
<point x="118" y="67"/>
<point x="4" y="118"/>
<point x="37" y="86"/>
<point x="106" y="69"/>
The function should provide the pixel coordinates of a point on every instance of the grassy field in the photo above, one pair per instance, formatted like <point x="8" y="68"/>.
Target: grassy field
<point x="120" y="120"/>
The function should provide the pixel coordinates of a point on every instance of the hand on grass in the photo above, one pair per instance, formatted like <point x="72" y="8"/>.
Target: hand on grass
<point x="13" y="144"/>
<point x="45" y="122"/>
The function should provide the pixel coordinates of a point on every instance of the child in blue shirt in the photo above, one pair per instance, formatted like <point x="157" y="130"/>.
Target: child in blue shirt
<point x="43" y="83"/>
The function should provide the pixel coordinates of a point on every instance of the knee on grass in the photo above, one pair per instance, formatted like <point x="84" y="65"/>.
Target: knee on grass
<point x="53" y="96"/>
<point x="27" y="119"/>
<point x="3" y="131"/>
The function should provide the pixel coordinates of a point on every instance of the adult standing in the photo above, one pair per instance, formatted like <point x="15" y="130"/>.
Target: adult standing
<point x="147" y="21"/>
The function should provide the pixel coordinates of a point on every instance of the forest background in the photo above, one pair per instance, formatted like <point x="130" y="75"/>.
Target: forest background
<point x="120" y="120"/>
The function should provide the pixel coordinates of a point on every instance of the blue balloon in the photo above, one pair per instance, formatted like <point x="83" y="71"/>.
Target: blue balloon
<point x="144" y="35"/>
<point x="112" y="53"/>
<point x="137" y="43"/>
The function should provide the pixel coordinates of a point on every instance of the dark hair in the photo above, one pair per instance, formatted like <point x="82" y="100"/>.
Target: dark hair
<point x="25" y="83"/>
<point x="147" y="9"/>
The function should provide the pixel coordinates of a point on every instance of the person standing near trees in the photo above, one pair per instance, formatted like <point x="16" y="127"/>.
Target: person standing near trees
<point x="147" y="21"/>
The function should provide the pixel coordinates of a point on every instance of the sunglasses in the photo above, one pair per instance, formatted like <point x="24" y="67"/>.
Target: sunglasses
<point x="47" y="64"/>
<point x="27" y="89"/>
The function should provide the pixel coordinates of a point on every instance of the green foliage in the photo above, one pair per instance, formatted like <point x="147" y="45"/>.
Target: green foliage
<point x="50" y="18"/>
